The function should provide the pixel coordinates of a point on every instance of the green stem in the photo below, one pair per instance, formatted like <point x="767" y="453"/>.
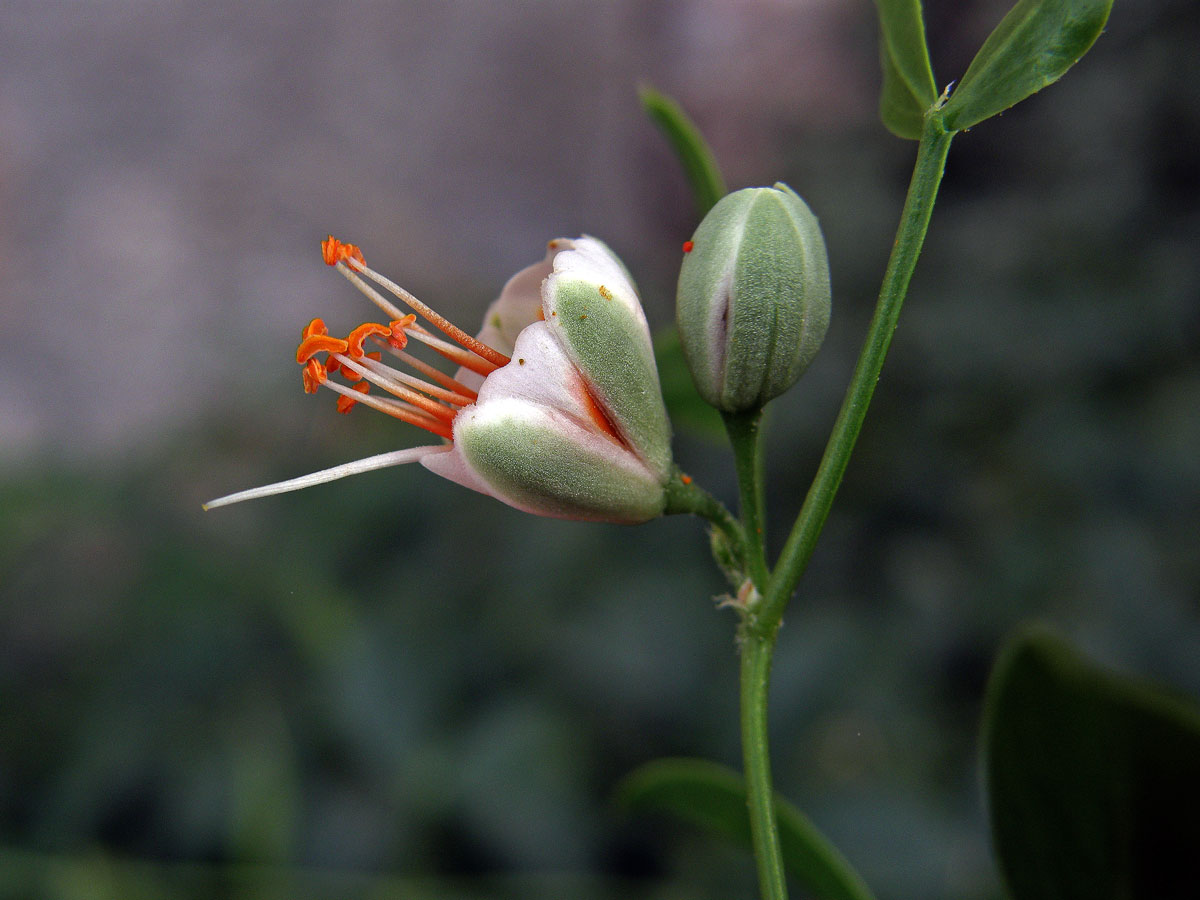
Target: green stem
<point x="914" y="222"/>
<point x="685" y="496"/>
<point x="744" y="431"/>
<point x="757" y="646"/>
<point x="756" y="650"/>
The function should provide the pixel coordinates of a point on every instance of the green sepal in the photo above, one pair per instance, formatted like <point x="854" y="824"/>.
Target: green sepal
<point x="611" y="347"/>
<point x="544" y="463"/>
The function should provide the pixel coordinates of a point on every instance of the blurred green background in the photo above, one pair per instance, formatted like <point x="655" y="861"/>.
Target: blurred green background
<point x="393" y="687"/>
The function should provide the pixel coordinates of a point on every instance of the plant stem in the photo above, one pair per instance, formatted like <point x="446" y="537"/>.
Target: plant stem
<point x="685" y="496"/>
<point x="760" y="624"/>
<point x="914" y="222"/>
<point x="744" y="430"/>
<point x="757" y="646"/>
<point x="756" y="650"/>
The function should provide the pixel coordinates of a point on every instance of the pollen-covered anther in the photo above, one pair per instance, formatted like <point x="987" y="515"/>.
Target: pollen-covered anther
<point x="361" y="333"/>
<point x="345" y="404"/>
<point x="334" y="251"/>
<point x="398" y="337"/>
<point x="333" y="365"/>
<point x="319" y="343"/>
<point x="315" y="326"/>
<point x="314" y="376"/>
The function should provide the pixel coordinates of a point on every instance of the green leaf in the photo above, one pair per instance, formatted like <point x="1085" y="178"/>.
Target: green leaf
<point x="714" y="798"/>
<point x="901" y="112"/>
<point x="699" y="164"/>
<point x="905" y="55"/>
<point x="1094" y="780"/>
<point x="1032" y="47"/>
<point x="685" y="406"/>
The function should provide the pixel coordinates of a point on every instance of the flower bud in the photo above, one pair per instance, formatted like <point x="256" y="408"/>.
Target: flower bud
<point x="753" y="300"/>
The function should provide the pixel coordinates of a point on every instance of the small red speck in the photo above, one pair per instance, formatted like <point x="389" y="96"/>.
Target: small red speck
<point x="686" y="479"/>
<point x="687" y="246"/>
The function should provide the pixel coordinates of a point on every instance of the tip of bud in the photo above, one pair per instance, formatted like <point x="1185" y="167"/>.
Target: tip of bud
<point x="334" y="251"/>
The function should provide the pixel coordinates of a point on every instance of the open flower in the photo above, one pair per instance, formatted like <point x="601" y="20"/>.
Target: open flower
<point x="555" y="408"/>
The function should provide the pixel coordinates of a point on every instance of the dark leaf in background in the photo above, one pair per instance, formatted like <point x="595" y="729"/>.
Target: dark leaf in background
<point x="687" y="409"/>
<point x="714" y="798"/>
<point x="1094" y="780"/>
<point x="699" y="164"/>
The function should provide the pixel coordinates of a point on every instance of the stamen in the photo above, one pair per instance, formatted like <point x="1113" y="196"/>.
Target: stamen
<point x="370" y="464"/>
<point x="360" y="334"/>
<point x="316" y="326"/>
<point x="334" y="251"/>
<point x="455" y="354"/>
<point x="373" y="295"/>
<point x="399" y="338"/>
<point x="319" y="343"/>
<point x="396" y="410"/>
<point x="346" y="372"/>
<point x="441" y="323"/>
<point x="436" y="374"/>
<point x="347" y="403"/>
<point x="386" y="371"/>
<point x="314" y="376"/>
<point x="432" y="407"/>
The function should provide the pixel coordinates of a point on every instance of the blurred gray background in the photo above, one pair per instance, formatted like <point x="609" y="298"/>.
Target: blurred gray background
<point x="395" y="687"/>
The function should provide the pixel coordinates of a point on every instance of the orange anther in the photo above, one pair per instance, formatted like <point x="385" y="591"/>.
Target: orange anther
<point x="686" y="479"/>
<point x="334" y="251"/>
<point x="316" y="326"/>
<point x="360" y="334"/>
<point x="314" y="376"/>
<point x="345" y="404"/>
<point x="319" y="343"/>
<point x="399" y="339"/>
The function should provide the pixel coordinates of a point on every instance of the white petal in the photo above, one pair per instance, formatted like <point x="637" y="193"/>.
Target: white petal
<point x="541" y="373"/>
<point x="519" y="305"/>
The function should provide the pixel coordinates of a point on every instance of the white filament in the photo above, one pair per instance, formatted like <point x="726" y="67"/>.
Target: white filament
<point x="382" y="461"/>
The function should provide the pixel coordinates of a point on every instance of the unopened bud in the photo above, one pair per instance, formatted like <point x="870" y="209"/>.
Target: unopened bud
<point x="754" y="297"/>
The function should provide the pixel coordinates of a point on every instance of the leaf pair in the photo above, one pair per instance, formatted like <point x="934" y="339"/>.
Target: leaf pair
<point x="1033" y="46"/>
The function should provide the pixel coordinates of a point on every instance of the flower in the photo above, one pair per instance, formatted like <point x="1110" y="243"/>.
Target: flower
<point x="555" y="408"/>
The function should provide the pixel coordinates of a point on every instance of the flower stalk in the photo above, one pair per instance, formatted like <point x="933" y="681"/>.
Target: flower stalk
<point x="763" y="615"/>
